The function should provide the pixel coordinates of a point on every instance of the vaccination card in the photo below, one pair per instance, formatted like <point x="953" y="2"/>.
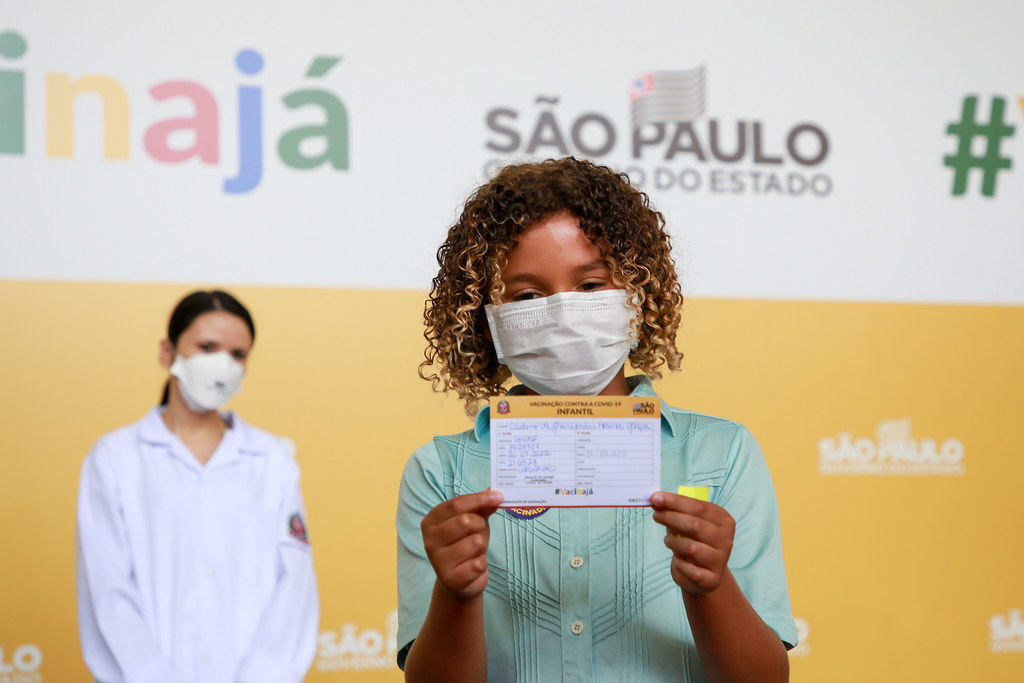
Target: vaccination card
<point x="576" y="451"/>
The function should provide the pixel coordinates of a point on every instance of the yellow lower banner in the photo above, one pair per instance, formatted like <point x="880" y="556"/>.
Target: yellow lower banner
<point x="887" y="427"/>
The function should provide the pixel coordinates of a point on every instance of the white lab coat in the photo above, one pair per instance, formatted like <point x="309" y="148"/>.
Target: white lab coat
<point x="193" y="574"/>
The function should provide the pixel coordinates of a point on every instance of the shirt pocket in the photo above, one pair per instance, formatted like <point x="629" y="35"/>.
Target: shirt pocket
<point x="690" y="464"/>
<point x="712" y="479"/>
<point x="698" y="459"/>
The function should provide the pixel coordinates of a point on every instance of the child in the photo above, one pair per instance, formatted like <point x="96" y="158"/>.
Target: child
<point x="685" y="590"/>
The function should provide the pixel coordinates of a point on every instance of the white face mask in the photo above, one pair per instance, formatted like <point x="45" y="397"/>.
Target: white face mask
<point x="207" y="380"/>
<point x="570" y="343"/>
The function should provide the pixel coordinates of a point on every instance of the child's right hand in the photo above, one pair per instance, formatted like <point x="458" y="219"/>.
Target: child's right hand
<point x="455" y="537"/>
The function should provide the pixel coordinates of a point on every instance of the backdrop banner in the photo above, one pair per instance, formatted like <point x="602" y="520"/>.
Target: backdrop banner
<point x="842" y="183"/>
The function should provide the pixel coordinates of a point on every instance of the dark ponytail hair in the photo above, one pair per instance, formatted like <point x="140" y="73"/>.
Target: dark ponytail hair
<point x="193" y="306"/>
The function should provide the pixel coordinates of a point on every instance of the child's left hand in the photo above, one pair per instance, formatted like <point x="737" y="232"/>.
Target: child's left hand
<point x="700" y="536"/>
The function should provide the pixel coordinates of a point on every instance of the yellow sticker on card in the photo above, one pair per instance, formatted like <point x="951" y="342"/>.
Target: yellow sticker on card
<point x="698" y="492"/>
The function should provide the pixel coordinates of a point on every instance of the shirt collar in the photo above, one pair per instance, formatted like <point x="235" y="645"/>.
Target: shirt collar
<point x="639" y="385"/>
<point x="238" y="437"/>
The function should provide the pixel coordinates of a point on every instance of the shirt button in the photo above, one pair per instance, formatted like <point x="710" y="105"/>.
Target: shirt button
<point x="207" y="490"/>
<point x="576" y="562"/>
<point x="208" y="573"/>
<point x="577" y="627"/>
<point x="204" y="659"/>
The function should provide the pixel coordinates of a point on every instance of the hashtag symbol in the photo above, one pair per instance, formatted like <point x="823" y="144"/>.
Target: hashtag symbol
<point x="993" y="132"/>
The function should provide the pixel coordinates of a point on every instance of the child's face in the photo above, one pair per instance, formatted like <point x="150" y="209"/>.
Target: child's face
<point x="551" y="257"/>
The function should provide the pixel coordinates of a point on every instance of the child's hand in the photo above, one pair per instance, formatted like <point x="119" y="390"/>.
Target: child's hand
<point x="700" y="537"/>
<point x="455" y="536"/>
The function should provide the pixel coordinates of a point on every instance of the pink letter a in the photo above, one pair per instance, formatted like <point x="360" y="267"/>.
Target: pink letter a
<point x="204" y="123"/>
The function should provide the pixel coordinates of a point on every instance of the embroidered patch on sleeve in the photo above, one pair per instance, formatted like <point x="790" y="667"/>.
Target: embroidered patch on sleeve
<point x="297" y="528"/>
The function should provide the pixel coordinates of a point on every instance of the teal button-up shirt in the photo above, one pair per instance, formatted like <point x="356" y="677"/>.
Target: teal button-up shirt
<point x="585" y="594"/>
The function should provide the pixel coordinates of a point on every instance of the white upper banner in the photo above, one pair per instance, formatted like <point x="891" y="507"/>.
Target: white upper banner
<point x="859" y="151"/>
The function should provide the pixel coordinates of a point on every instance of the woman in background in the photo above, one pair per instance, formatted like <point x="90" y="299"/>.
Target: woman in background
<point x="193" y="560"/>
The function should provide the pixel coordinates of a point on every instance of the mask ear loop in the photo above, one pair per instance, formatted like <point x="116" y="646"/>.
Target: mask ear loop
<point x="635" y="321"/>
<point x="493" y="326"/>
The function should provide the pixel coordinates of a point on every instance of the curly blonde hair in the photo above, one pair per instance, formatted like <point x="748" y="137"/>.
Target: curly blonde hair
<point x="612" y="213"/>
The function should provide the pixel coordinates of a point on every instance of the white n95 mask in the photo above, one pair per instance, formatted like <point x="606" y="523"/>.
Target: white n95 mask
<point x="568" y="343"/>
<point x="207" y="380"/>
